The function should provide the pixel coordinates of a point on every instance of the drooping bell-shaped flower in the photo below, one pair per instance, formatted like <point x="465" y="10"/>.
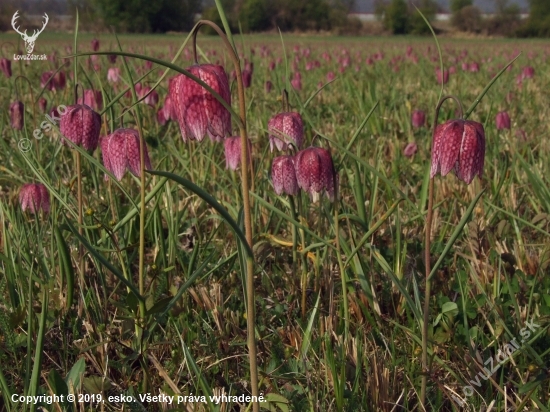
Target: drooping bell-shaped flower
<point x="474" y="67"/>
<point x="410" y="150"/>
<point x="458" y="145"/>
<point x="268" y="86"/>
<point x="247" y="78"/>
<point x="17" y="114"/>
<point x="120" y="151"/>
<point x="42" y="104"/>
<point x="315" y="171"/>
<point x="113" y="74"/>
<point x="47" y="81"/>
<point x="285" y="128"/>
<point x="81" y="125"/>
<point x="283" y="175"/>
<point x="296" y="83"/>
<point x="95" y="44"/>
<point x="232" y="146"/>
<point x="151" y="97"/>
<point x="5" y="66"/>
<point x="418" y="118"/>
<point x="197" y="110"/>
<point x="34" y="197"/>
<point x="502" y="121"/>
<point x="92" y="98"/>
<point x="528" y="72"/>
<point x="442" y="78"/>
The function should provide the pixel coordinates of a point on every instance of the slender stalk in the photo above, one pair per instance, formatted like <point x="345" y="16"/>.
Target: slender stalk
<point x="250" y="316"/>
<point x="80" y="216"/>
<point x="426" y="294"/>
<point x="427" y="264"/>
<point x="142" y="232"/>
<point x="341" y="265"/>
<point x="294" y="235"/>
<point x="303" y="278"/>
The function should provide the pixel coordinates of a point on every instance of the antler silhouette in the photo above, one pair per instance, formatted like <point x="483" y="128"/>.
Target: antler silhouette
<point x="37" y="32"/>
<point x="13" y="22"/>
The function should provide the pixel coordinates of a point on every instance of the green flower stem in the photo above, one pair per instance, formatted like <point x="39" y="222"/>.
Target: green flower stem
<point x="250" y="316"/>
<point x="427" y="264"/>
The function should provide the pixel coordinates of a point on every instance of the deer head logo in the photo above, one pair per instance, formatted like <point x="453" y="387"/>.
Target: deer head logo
<point x="29" y="40"/>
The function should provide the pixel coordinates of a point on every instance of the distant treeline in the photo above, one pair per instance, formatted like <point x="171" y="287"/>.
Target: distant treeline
<point x="397" y="16"/>
<point x="401" y="17"/>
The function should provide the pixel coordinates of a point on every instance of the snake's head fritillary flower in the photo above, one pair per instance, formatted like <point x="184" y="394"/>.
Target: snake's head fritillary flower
<point x="286" y="128"/>
<point x="42" y="104"/>
<point x="197" y="110"/>
<point x="5" y="66"/>
<point x="502" y="121"/>
<point x="442" y="78"/>
<point x="268" y="86"/>
<point x="120" y="151"/>
<point x="474" y="67"/>
<point x="315" y="172"/>
<point x="458" y="145"/>
<point x="113" y="74"/>
<point x="283" y="175"/>
<point x="296" y="83"/>
<point x="17" y="114"/>
<point x="81" y="125"/>
<point x="410" y="150"/>
<point x="528" y="72"/>
<point x="92" y="98"/>
<point x="95" y="45"/>
<point x="418" y="118"/>
<point x="112" y="58"/>
<point x="233" y="151"/>
<point x="47" y="81"/>
<point x="152" y="97"/>
<point x="60" y="80"/>
<point x="169" y="110"/>
<point x="247" y="78"/>
<point x="34" y="197"/>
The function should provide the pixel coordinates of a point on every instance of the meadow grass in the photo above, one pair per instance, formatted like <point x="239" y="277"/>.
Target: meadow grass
<point x="62" y="331"/>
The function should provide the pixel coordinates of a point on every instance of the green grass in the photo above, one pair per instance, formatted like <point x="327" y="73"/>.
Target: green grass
<point x="494" y="279"/>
